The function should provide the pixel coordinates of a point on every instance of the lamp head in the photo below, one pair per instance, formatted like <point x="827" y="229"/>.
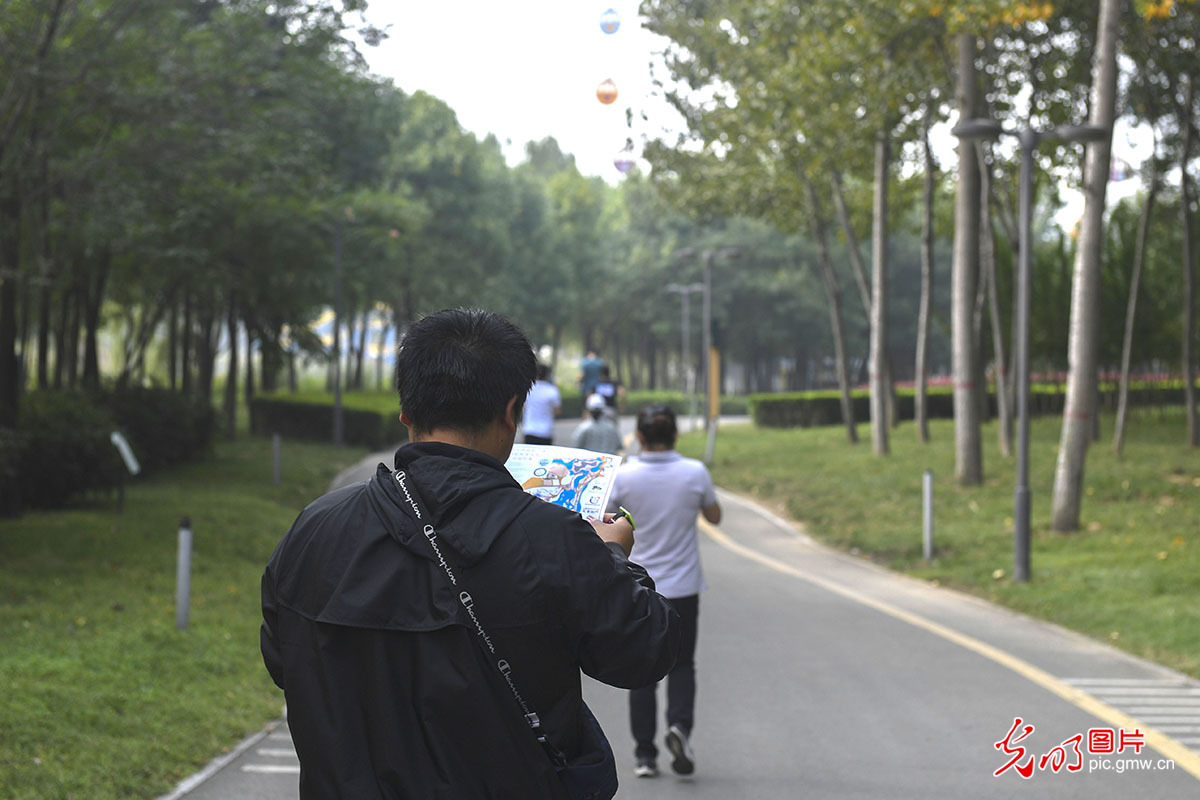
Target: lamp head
<point x="977" y="129"/>
<point x="1080" y="133"/>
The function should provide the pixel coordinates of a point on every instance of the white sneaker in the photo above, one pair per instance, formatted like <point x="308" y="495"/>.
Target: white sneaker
<point x="645" y="769"/>
<point x="677" y="743"/>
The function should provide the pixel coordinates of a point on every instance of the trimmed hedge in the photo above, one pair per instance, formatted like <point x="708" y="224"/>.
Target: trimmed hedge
<point x="163" y="427"/>
<point x="808" y="409"/>
<point x="303" y="419"/>
<point x="62" y="445"/>
<point x="63" y="449"/>
<point x="572" y="405"/>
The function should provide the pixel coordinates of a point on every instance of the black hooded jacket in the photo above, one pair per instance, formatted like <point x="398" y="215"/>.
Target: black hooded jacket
<point x="388" y="693"/>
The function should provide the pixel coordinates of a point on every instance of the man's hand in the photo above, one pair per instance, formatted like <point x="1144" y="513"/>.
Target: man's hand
<point x="615" y="528"/>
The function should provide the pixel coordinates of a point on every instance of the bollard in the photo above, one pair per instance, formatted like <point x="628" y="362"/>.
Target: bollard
<point x="927" y="508"/>
<point x="183" y="574"/>
<point x="275" y="457"/>
<point x="712" y="441"/>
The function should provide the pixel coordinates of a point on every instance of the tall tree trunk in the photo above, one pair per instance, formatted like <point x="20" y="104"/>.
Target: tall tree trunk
<point x="981" y="296"/>
<point x="249" y="391"/>
<point x="361" y="352"/>
<point x="60" y="338"/>
<point x="271" y="358"/>
<point x="187" y="337"/>
<point x="231" y="375"/>
<point x="384" y="327"/>
<point x="206" y="350"/>
<point x="879" y="299"/>
<point x="856" y="260"/>
<point x="94" y="301"/>
<point x="555" y="344"/>
<point x="45" y="295"/>
<point x="652" y="361"/>
<point x="968" y="448"/>
<point x="987" y="258"/>
<point x="398" y="324"/>
<point x="75" y="299"/>
<point x="833" y="293"/>
<point x="864" y="291"/>
<point x="10" y="382"/>
<point x="1135" y="280"/>
<point x="1189" y="270"/>
<point x="173" y="346"/>
<point x="1085" y="291"/>
<point x="10" y="370"/>
<point x="344" y="349"/>
<point x="920" y="411"/>
<point x="46" y="291"/>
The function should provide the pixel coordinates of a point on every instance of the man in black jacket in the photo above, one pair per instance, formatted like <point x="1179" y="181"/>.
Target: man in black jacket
<point x="389" y="691"/>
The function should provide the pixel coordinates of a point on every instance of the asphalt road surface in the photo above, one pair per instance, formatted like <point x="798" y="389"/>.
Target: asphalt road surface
<point x="822" y="676"/>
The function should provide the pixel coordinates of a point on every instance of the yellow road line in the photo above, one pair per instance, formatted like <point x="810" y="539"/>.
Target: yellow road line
<point x="1183" y="757"/>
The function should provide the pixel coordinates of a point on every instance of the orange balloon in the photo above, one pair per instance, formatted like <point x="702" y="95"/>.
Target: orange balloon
<point x="606" y="92"/>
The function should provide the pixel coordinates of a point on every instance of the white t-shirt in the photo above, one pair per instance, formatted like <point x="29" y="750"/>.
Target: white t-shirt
<point x="664" y="492"/>
<point x="540" y="404"/>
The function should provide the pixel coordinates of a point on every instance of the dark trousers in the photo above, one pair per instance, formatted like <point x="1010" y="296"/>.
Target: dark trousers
<point x="681" y="686"/>
<point x="531" y="439"/>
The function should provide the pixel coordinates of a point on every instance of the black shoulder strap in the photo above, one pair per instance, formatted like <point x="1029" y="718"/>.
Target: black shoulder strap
<point x="502" y="665"/>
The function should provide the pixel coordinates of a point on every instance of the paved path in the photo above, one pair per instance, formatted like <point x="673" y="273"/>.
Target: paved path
<point x="821" y="675"/>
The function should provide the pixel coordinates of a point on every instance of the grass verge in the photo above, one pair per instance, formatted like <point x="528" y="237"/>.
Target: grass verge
<point x="102" y="696"/>
<point x="1130" y="576"/>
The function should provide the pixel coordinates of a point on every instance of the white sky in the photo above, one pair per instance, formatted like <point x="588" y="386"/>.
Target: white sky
<point x="526" y="69"/>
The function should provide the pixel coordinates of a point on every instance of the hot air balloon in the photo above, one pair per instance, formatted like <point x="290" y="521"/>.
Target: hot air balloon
<point x="610" y="21"/>
<point x="1121" y="170"/>
<point x="606" y="92"/>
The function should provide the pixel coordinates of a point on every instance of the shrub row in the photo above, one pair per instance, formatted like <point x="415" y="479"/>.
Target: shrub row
<point x="808" y="409"/>
<point x="311" y="416"/>
<point x="572" y="405"/>
<point x="302" y="419"/>
<point x="62" y="445"/>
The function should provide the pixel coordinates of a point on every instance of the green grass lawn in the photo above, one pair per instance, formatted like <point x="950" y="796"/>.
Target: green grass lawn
<point x="1129" y="577"/>
<point x="102" y="696"/>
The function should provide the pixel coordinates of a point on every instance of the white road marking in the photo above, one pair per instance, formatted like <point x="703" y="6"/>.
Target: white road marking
<point x="272" y="769"/>
<point x="276" y="752"/>
<point x="1134" y="691"/>
<point x="1167" y="702"/>
<point x="1178" y="683"/>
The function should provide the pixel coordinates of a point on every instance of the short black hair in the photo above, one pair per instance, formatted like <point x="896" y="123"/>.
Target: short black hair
<point x="457" y="368"/>
<point x="543" y="372"/>
<point x="656" y="424"/>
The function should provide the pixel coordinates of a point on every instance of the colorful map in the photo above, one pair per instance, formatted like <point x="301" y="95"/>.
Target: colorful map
<point x="566" y="476"/>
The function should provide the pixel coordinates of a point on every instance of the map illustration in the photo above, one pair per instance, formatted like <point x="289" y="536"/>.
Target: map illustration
<point x="579" y="480"/>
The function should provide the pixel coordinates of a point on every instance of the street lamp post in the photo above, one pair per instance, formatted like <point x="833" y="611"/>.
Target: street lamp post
<point x="338" y="415"/>
<point x="687" y="370"/>
<point x="1028" y="140"/>
<point x="711" y="387"/>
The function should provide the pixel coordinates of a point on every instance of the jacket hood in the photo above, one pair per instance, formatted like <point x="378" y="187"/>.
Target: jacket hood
<point x="447" y="480"/>
<point x="358" y="556"/>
